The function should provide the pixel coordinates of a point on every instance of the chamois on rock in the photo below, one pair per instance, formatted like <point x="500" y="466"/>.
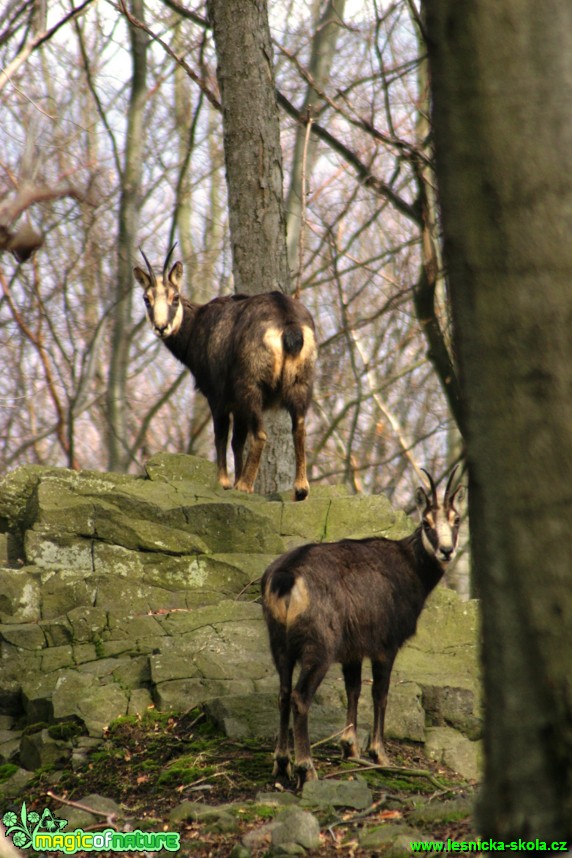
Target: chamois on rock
<point x="247" y="353"/>
<point x="344" y="601"/>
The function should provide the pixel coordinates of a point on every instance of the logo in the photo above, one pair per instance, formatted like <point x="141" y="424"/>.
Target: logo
<point x="45" y="833"/>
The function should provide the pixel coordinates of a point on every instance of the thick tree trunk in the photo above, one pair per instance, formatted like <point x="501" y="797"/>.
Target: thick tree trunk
<point x="253" y="161"/>
<point x="502" y="86"/>
<point x="253" y="156"/>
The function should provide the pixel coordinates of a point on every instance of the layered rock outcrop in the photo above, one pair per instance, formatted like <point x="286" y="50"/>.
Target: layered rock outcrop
<point x="119" y="592"/>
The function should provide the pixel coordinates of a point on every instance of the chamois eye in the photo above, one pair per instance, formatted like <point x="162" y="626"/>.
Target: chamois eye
<point x="147" y="300"/>
<point x="175" y="301"/>
<point x="457" y="520"/>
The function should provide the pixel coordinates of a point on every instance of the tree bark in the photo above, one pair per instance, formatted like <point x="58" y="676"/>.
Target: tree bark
<point x="502" y="80"/>
<point x="118" y="457"/>
<point x="253" y="160"/>
<point x="251" y="133"/>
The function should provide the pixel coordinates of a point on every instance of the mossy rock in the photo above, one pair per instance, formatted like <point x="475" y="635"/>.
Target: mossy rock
<point x="179" y="467"/>
<point x="20" y="595"/>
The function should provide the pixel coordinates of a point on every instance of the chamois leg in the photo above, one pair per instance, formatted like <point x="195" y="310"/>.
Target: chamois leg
<point x="309" y="680"/>
<point x="381" y="672"/>
<point x="239" y="434"/>
<point x="221" y="423"/>
<point x="257" y="441"/>
<point x="282" y="753"/>
<point x="301" y="486"/>
<point x="352" y="680"/>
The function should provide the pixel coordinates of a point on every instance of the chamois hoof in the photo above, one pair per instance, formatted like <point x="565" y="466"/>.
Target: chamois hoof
<point x="349" y="749"/>
<point x="300" y="493"/>
<point x="380" y="758"/>
<point x="305" y="772"/>
<point x="282" y="767"/>
<point x="242" y="486"/>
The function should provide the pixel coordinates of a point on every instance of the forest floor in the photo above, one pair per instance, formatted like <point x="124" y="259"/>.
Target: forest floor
<point x="150" y="765"/>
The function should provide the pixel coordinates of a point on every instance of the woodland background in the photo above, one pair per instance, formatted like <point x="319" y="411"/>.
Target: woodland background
<point x="112" y="139"/>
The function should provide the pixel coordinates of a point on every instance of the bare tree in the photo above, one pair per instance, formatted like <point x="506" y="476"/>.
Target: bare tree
<point x="253" y="161"/>
<point x="501" y="79"/>
<point x="129" y="208"/>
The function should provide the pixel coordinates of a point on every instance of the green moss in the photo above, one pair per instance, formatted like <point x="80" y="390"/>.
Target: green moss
<point x="65" y="730"/>
<point x="186" y="770"/>
<point x="30" y="729"/>
<point x="6" y="771"/>
<point x="258" y="811"/>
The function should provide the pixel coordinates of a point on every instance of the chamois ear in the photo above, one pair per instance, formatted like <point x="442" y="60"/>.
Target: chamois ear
<point x="458" y="495"/>
<point x="176" y="275"/>
<point x="142" y="277"/>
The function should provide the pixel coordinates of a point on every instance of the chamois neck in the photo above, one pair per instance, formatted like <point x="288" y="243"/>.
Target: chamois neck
<point x="179" y="343"/>
<point x="429" y="569"/>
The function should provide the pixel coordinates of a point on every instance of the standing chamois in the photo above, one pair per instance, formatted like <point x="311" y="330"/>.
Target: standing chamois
<point x="247" y="354"/>
<point x="343" y="601"/>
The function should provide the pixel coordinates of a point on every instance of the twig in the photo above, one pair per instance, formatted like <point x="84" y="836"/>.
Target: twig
<point x="303" y="208"/>
<point x="34" y="43"/>
<point x="329" y="738"/>
<point x="359" y="816"/>
<point x="109" y="817"/>
<point x="135" y="22"/>
<point x="391" y="770"/>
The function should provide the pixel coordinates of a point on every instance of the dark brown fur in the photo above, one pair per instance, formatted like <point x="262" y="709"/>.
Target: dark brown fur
<point x="342" y="602"/>
<point x="247" y="354"/>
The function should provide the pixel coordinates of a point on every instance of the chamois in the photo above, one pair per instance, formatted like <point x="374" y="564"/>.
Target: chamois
<point x="247" y="354"/>
<point x="343" y="601"/>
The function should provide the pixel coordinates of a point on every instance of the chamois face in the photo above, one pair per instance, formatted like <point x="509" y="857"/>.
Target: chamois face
<point x="162" y="299"/>
<point x="440" y="521"/>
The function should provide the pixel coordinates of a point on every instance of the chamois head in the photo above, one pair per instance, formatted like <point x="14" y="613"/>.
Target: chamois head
<point x="161" y="295"/>
<point x="440" y="522"/>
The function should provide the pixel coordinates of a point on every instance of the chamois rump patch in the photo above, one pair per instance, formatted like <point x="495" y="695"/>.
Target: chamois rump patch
<point x="291" y="349"/>
<point x="288" y="600"/>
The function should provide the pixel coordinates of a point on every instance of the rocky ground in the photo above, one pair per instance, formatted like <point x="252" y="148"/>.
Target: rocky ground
<point x="162" y="772"/>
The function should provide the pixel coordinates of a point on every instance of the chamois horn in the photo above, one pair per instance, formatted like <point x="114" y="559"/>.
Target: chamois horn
<point x="166" y="263"/>
<point x="450" y="484"/>
<point x="433" y="487"/>
<point x="149" y="267"/>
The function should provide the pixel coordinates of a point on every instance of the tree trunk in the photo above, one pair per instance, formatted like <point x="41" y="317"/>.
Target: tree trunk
<point x="253" y="161"/>
<point x="324" y="45"/>
<point x="502" y="83"/>
<point x="117" y="398"/>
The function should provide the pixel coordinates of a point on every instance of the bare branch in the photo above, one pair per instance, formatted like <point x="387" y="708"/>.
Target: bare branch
<point x="39" y="39"/>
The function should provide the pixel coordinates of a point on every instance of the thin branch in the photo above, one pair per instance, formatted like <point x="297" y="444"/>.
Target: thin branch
<point x="363" y="172"/>
<point x="20" y="59"/>
<point x="303" y="209"/>
<point x="135" y="22"/>
<point x="362" y="764"/>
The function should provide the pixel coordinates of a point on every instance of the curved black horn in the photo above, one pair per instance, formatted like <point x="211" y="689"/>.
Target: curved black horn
<point x="450" y="484"/>
<point x="432" y="484"/>
<point x="167" y="260"/>
<point x="149" y="268"/>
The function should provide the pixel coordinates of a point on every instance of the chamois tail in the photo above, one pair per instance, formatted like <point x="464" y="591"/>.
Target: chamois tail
<point x="293" y="339"/>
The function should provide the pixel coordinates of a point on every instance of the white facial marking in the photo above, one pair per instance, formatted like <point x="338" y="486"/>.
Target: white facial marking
<point x="164" y="318"/>
<point x="442" y="534"/>
<point x="445" y="536"/>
